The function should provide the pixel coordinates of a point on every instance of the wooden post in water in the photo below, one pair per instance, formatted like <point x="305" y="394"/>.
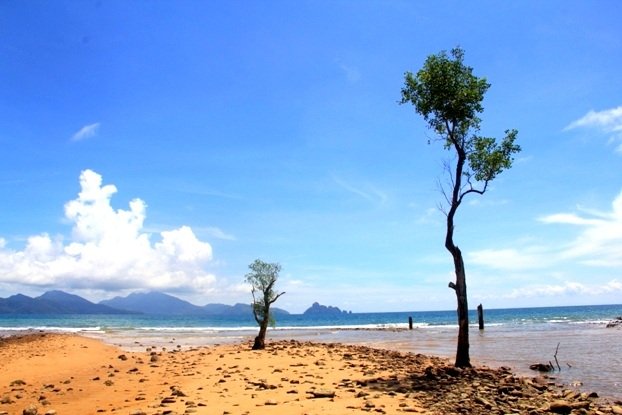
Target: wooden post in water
<point x="480" y="316"/>
<point x="410" y="323"/>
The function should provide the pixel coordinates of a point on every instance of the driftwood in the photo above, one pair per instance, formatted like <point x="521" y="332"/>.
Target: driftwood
<point x="548" y="367"/>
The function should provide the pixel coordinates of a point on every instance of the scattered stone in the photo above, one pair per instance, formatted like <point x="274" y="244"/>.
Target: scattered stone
<point x="541" y="367"/>
<point x="615" y="322"/>
<point x="322" y="393"/>
<point x="122" y="357"/>
<point x="30" y="410"/>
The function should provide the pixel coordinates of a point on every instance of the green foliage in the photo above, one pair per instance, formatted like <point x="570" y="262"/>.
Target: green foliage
<point x="262" y="278"/>
<point x="449" y="97"/>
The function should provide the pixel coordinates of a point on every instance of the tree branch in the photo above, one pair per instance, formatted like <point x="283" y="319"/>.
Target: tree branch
<point x="277" y="297"/>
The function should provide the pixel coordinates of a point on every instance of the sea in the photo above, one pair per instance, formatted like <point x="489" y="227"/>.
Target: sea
<point x="577" y="338"/>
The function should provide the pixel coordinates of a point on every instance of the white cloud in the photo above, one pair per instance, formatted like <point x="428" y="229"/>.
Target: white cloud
<point x="511" y="259"/>
<point x="87" y="131"/>
<point x="607" y="121"/>
<point x="108" y="249"/>
<point x="567" y="288"/>
<point x="598" y="243"/>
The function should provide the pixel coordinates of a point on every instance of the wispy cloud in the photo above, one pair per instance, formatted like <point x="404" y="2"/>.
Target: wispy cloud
<point x="606" y="121"/>
<point x="352" y="74"/>
<point x="598" y="243"/>
<point x="567" y="288"/>
<point x="85" y="132"/>
<point x="218" y="233"/>
<point x="366" y="191"/>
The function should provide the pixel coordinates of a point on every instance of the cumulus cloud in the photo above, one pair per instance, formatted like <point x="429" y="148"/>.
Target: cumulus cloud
<point x="607" y="121"/>
<point x="108" y="249"/>
<point x="87" y="131"/>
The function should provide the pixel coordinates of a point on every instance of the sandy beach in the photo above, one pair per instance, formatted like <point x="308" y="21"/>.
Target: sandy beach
<point x="47" y="373"/>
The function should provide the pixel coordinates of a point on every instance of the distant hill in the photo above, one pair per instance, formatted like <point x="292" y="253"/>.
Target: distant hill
<point x="59" y="302"/>
<point x="321" y="310"/>
<point x="159" y="303"/>
<point x="154" y="303"/>
<point x="53" y="302"/>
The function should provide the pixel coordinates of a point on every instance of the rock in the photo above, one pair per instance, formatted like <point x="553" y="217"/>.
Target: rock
<point x="541" y="367"/>
<point x="271" y="402"/>
<point x="616" y="409"/>
<point x="30" y="410"/>
<point x="175" y="391"/>
<point x="122" y="357"/>
<point x="615" y="322"/>
<point x="323" y="393"/>
<point x="483" y="402"/>
<point x="560" y="407"/>
<point x="6" y="399"/>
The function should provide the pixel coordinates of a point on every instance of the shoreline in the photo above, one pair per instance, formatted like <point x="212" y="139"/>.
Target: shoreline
<point x="583" y="347"/>
<point x="72" y="373"/>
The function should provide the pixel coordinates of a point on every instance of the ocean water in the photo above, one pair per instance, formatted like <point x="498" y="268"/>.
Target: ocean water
<point x="590" y="355"/>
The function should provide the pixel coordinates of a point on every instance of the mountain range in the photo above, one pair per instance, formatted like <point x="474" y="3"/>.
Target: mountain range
<point x="59" y="302"/>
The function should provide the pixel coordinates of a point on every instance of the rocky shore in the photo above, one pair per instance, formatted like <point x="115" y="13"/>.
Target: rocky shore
<point x="68" y="374"/>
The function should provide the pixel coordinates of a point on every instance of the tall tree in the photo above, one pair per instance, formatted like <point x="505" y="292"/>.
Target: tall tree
<point x="262" y="279"/>
<point x="449" y="97"/>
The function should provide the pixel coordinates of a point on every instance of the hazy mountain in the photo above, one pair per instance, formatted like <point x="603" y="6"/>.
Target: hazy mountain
<point x="159" y="303"/>
<point x="22" y="304"/>
<point x="154" y="303"/>
<point x="52" y="302"/>
<point x="73" y="304"/>
<point x="59" y="302"/>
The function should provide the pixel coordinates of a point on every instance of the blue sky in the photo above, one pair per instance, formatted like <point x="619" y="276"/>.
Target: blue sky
<point x="166" y="145"/>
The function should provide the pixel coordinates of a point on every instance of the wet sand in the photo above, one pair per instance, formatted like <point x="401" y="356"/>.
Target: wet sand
<point x="70" y="374"/>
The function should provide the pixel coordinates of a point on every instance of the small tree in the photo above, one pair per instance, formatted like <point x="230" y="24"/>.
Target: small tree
<point x="262" y="280"/>
<point x="449" y="97"/>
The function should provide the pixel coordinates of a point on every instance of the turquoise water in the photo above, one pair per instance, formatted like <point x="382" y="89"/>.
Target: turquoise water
<point x="516" y="318"/>
<point x="589" y="353"/>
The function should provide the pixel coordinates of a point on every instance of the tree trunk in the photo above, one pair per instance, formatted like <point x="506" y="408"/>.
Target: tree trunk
<point x="462" y="352"/>
<point x="260" y="340"/>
